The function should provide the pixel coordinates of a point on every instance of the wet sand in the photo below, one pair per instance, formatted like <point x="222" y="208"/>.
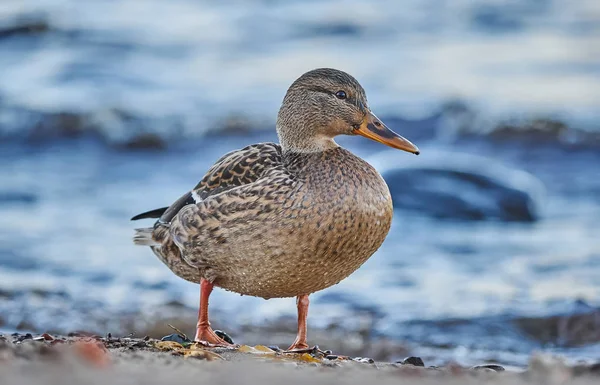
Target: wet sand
<point x="36" y="359"/>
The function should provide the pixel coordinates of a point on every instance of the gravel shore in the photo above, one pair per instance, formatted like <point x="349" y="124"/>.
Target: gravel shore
<point x="37" y="359"/>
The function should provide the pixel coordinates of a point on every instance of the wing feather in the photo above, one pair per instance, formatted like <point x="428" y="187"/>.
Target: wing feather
<point x="234" y="169"/>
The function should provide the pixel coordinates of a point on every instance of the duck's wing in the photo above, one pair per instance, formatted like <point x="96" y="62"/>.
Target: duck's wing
<point x="234" y="169"/>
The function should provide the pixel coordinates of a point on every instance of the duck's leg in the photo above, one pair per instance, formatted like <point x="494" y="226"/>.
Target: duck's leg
<point x="300" y="342"/>
<point x="204" y="332"/>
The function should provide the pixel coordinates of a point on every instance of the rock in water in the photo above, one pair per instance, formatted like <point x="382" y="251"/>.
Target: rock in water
<point x="415" y="361"/>
<point x="460" y="186"/>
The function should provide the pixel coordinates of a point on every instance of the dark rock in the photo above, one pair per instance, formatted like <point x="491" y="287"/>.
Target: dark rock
<point x="563" y="330"/>
<point x="176" y="338"/>
<point x="493" y="367"/>
<point x="60" y="125"/>
<point x="139" y="344"/>
<point x="274" y="347"/>
<point x="25" y="26"/>
<point x="224" y="336"/>
<point x="234" y="125"/>
<point x="17" y="261"/>
<point x="81" y="333"/>
<point x="12" y="197"/>
<point x="175" y="303"/>
<point x="145" y="141"/>
<point x="539" y="130"/>
<point x="497" y="19"/>
<point x="535" y="131"/>
<point x="24" y="337"/>
<point x="6" y="294"/>
<point x="332" y="29"/>
<point x="461" y="187"/>
<point x="365" y="360"/>
<point x="415" y="361"/>
<point x="331" y="357"/>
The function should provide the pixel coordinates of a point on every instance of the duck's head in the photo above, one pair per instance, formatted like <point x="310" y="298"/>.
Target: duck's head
<point x="324" y="103"/>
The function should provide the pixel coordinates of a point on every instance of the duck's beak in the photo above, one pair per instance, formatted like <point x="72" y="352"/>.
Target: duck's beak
<point x="374" y="129"/>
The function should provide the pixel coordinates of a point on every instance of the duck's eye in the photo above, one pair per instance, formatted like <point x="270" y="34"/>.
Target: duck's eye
<point x="340" y="95"/>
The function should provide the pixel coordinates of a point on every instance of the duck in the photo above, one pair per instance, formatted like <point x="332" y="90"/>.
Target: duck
<point x="287" y="219"/>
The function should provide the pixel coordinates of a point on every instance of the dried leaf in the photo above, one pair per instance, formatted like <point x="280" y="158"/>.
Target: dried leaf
<point x="263" y="348"/>
<point x="308" y="358"/>
<point x="167" y="345"/>
<point x="258" y="349"/>
<point x="195" y="346"/>
<point x="246" y="349"/>
<point x="202" y="355"/>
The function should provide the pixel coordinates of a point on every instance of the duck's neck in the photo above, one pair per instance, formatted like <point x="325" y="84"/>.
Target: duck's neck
<point x="301" y="141"/>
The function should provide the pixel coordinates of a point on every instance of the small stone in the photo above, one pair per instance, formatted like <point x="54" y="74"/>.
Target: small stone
<point x="415" y="361"/>
<point x="584" y="369"/>
<point x="175" y="338"/>
<point x="275" y="348"/>
<point x="21" y="337"/>
<point x="147" y="338"/>
<point x="47" y="337"/>
<point x="364" y="360"/>
<point x="486" y="370"/>
<point x="327" y="352"/>
<point x="224" y="336"/>
<point x="493" y="367"/>
<point x="109" y="336"/>
<point x="331" y="357"/>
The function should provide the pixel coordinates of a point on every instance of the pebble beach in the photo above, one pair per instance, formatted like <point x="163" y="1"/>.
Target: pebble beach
<point x="78" y="359"/>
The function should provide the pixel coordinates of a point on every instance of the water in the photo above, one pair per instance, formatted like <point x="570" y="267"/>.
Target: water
<point x="452" y="289"/>
<point x="65" y="233"/>
<point x="181" y="68"/>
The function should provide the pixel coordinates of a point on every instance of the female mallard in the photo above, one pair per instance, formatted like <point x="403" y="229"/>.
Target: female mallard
<point x="283" y="220"/>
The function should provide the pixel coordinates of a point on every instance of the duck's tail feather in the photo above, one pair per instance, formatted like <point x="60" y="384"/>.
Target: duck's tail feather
<point x="143" y="237"/>
<point x="150" y="214"/>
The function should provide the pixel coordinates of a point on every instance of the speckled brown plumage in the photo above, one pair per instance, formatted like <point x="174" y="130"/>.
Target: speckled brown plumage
<point x="306" y="225"/>
<point x="284" y="220"/>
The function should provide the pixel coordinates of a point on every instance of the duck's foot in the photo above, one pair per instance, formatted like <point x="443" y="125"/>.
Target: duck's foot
<point x="299" y="347"/>
<point x="207" y="337"/>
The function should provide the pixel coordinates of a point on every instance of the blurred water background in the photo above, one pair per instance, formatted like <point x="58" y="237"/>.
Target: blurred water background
<point x="109" y="108"/>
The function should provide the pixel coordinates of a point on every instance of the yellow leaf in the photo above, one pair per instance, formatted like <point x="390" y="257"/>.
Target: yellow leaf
<point x="264" y="349"/>
<point x="308" y="358"/>
<point x="246" y="349"/>
<point x="202" y="355"/>
<point x="167" y="345"/>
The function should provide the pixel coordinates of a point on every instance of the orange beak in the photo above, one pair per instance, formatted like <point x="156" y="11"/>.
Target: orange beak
<point x="374" y="129"/>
